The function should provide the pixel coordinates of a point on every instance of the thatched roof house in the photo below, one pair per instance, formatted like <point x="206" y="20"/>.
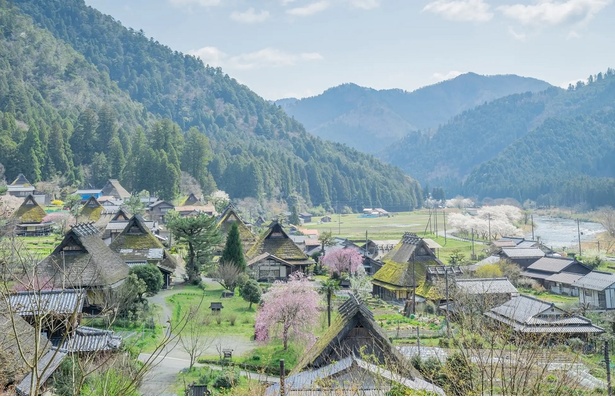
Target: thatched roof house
<point x="113" y="188"/>
<point x="29" y="218"/>
<point x="404" y="269"/>
<point x="354" y="357"/>
<point x="83" y="260"/>
<point x="272" y="244"/>
<point x="91" y="210"/>
<point x="225" y="221"/>
<point x="137" y="245"/>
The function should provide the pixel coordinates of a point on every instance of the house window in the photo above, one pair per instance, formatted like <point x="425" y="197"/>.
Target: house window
<point x="269" y="274"/>
<point x="602" y="299"/>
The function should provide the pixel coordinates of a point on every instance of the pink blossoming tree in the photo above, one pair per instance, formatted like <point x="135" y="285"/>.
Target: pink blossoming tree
<point x="343" y="261"/>
<point x="290" y="308"/>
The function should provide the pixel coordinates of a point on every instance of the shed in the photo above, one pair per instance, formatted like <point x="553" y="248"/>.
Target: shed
<point x="597" y="290"/>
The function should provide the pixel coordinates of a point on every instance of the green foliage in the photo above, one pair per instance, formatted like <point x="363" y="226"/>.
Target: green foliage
<point x="258" y="151"/>
<point x="251" y="292"/>
<point x="233" y="249"/>
<point x="200" y="234"/>
<point x="150" y="275"/>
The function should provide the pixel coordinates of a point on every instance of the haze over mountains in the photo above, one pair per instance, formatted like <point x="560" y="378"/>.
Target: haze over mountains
<point x="370" y="120"/>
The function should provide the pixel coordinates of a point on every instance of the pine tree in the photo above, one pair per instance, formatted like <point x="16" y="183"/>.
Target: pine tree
<point x="233" y="249"/>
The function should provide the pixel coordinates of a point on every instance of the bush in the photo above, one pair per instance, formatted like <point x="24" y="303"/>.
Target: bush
<point x="150" y="275"/>
<point x="232" y="318"/>
<point x="430" y="307"/>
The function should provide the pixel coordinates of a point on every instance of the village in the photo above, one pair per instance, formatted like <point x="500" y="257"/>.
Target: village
<point x="130" y="281"/>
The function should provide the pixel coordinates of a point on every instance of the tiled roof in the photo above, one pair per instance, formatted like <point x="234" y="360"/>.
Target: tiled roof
<point x="596" y="281"/>
<point x="521" y="253"/>
<point x="564" y="278"/>
<point x="485" y="286"/>
<point x="46" y="365"/>
<point x="551" y="264"/>
<point x="55" y="301"/>
<point x="88" y="339"/>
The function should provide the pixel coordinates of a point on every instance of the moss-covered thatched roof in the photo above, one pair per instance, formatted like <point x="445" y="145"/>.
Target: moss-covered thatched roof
<point x="136" y="235"/>
<point x="226" y="220"/>
<point x="92" y="209"/>
<point x="30" y="211"/>
<point x="353" y="333"/>
<point x="410" y="257"/>
<point x="276" y="242"/>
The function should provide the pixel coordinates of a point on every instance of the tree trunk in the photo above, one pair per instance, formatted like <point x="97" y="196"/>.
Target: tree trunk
<point x="329" y="308"/>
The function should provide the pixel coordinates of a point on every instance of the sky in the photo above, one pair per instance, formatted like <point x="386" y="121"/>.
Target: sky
<point x="300" y="48"/>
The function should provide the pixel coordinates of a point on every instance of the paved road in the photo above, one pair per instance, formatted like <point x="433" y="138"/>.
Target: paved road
<point x="166" y="366"/>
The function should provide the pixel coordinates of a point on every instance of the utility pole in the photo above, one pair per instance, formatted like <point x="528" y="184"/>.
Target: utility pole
<point x="413" y="282"/>
<point x="282" y="378"/>
<point x="473" y="254"/>
<point x="489" y="221"/>
<point x="448" y="326"/>
<point x="532" y="220"/>
<point x="444" y="216"/>
<point x="579" y="235"/>
<point x="608" y="368"/>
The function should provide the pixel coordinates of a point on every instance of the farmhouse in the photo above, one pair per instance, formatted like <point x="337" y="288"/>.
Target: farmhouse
<point x="522" y="256"/>
<point x="556" y="273"/>
<point x="114" y="189"/>
<point x="354" y="357"/>
<point x="20" y="187"/>
<point x="225" y="221"/>
<point x="597" y="290"/>
<point x="30" y="219"/>
<point x="404" y="269"/>
<point x="158" y="210"/>
<point x="275" y="256"/>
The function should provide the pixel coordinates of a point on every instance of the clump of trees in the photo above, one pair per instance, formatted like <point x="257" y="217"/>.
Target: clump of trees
<point x="489" y="223"/>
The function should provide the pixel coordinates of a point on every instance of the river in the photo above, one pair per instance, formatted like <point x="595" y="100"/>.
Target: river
<point x="560" y="233"/>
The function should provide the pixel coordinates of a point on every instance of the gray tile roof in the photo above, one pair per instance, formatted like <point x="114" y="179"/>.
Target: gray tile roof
<point x="564" y="278"/>
<point x="88" y="339"/>
<point x="485" y="286"/>
<point x="520" y="253"/>
<point x="530" y="315"/>
<point x="28" y="303"/>
<point x="596" y="281"/>
<point x="551" y="264"/>
<point x="46" y="367"/>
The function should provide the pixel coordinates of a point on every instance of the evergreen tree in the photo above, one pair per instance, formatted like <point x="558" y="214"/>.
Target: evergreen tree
<point x="233" y="249"/>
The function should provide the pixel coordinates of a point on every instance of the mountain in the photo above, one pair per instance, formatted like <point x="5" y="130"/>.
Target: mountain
<point x="138" y="108"/>
<point x="370" y="120"/>
<point x="556" y="147"/>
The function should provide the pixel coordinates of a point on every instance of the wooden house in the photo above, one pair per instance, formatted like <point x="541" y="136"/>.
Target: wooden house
<point x="114" y="189"/>
<point x="476" y="295"/>
<point x="226" y="220"/>
<point x="29" y="218"/>
<point x="527" y="315"/>
<point x="597" y="290"/>
<point x="305" y="217"/>
<point x="546" y="270"/>
<point x="274" y="256"/>
<point x="522" y="256"/>
<point x="91" y="211"/>
<point x="20" y="187"/>
<point x="404" y="269"/>
<point x="137" y="245"/>
<point x="83" y="261"/>
<point x="192" y="199"/>
<point x="158" y="210"/>
<point x="353" y="357"/>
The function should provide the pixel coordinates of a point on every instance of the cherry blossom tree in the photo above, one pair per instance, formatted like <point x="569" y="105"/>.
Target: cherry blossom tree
<point x="290" y="308"/>
<point x="343" y="260"/>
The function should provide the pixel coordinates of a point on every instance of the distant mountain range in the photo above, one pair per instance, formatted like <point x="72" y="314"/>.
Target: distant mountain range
<point x="370" y="120"/>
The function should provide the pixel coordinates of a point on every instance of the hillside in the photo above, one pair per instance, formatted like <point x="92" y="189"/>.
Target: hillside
<point x="256" y="150"/>
<point x="369" y="120"/>
<point x="555" y="147"/>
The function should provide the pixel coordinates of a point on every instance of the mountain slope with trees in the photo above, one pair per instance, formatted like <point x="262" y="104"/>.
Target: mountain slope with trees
<point x="255" y="149"/>
<point x="369" y="120"/>
<point x="555" y="147"/>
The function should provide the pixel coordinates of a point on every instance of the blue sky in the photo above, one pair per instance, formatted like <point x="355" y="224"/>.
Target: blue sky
<point x="299" y="48"/>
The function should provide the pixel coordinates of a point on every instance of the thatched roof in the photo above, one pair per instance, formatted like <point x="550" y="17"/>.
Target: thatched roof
<point x="230" y="216"/>
<point x="411" y="256"/>
<point x="120" y="216"/>
<point x="15" y="332"/>
<point x="82" y="259"/>
<point x="276" y="242"/>
<point x="30" y="211"/>
<point x="92" y="209"/>
<point x="115" y="189"/>
<point x="354" y="333"/>
<point x="21" y="180"/>
<point x="137" y="244"/>
<point x="192" y="200"/>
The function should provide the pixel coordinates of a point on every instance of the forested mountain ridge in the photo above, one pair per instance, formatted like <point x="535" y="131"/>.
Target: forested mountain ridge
<point x="258" y="151"/>
<point x="556" y="147"/>
<point x="369" y="119"/>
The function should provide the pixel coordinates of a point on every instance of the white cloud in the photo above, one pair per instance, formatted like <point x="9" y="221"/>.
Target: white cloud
<point x="365" y="4"/>
<point x="516" y="35"/>
<point x="250" y="16"/>
<point x="451" y="74"/>
<point x="461" y="10"/>
<point x="202" y="3"/>
<point x="554" y="12"/>
<point x="265" y="58"/>
<point x="309" y="9"/>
